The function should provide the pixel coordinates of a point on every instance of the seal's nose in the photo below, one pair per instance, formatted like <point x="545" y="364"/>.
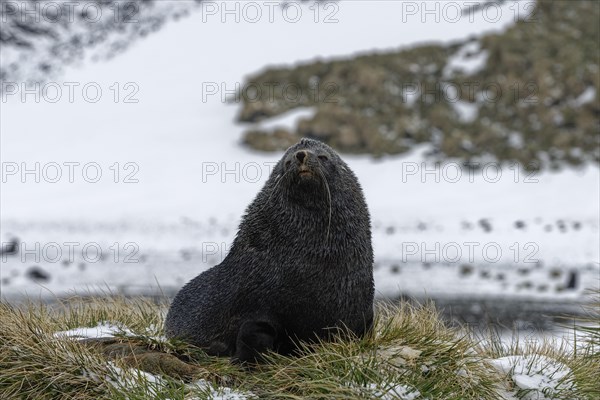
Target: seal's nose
<point x="301" y="156"/>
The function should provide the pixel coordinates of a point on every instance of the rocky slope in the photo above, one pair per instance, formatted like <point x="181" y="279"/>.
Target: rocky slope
<point x="528" y="94"/>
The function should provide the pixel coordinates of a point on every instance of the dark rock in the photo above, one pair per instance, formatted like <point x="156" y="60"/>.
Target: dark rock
<point x="572" y="280"/>
<point x="485" y="225"/>
<point x="555" y="273"/>
<point x="525" y="285"/>
<point x="466" y="225"/>
<point x="519" y="224"/>
<point x="466" y="270"/>
<point x="37" y="274"/>
<point x="11" y="247"/>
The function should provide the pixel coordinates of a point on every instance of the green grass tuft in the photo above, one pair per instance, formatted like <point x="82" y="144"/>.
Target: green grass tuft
<point x="409" y="350"/>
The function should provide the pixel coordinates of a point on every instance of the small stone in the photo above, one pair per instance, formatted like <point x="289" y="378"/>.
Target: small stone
<point x="485" y="225"/>
<point x="37" y="274"/>
<point x="519" y="224"/>
<point x="466" y="270"/>
<point x="555" y="273"/>
<point x="10" y="248"/>
<point x="525" y="285"/>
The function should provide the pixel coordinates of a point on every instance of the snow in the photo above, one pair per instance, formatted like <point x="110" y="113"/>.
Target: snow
<point x="515" y="140"/>
<point x="130" y="379"/>
<point x="398" y="392"/>
<point x="467" y="112"/>
<point x="468" y="60"/>
<point x="540" y="376"/>
<point x="288" y="120"/>
<point x="588" y="96"/>
<point x="102" y="330"/>
<point x="220" y="393"/>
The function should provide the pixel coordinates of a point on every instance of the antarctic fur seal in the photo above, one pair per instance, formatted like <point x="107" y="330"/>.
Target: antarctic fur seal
<point x="300" y="267"/>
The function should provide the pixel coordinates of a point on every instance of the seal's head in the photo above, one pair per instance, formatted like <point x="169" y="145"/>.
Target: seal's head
<point x="310" y="170"/>
<point x="307" y="160"/>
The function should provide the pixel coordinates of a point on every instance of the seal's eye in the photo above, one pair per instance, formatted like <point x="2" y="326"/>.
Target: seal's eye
<point x="288" y="163"/>
<point x="323" y="157"/>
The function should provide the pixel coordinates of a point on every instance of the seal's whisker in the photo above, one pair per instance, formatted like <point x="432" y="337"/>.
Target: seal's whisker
<point x="326" y="184"/>
<point x="279" y="180"/>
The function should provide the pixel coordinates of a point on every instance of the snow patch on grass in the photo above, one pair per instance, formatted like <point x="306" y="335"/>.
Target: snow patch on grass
<point x="102" y="330"/>
<point x="469" y="60"/>
<point x="134" y="379"/>
<point x="467" y="112"/>
<point x="535" y="377"/>
<point x="220" y="393"/>
<point x="396" y="392"/>
<point x="128" y="380"/>
<point x="288" y="120"/>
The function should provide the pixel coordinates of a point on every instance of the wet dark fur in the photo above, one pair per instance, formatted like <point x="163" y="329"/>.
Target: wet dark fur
<point x="300" y="267"/>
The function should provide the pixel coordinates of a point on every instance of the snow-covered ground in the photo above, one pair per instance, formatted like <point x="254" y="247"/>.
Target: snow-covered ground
<point x="152" y="174"/>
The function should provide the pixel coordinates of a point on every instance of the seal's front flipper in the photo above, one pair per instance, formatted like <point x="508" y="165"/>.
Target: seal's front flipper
<point x="255" y="338"/>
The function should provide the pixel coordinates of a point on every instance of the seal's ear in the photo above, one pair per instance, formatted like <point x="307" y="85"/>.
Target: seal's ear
<point x="254" y="338"/>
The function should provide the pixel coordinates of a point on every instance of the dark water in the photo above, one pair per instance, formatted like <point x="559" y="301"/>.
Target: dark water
<point x="503" y="313"/>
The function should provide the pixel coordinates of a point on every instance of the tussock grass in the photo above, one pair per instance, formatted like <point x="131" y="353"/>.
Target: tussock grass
<point x="588" y="326"/>
<point x="409" y="350"/>
<point x="587" y="331"/>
